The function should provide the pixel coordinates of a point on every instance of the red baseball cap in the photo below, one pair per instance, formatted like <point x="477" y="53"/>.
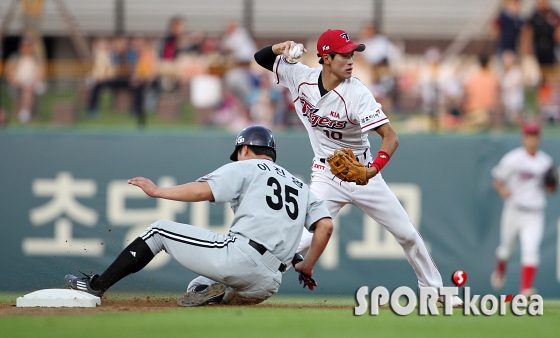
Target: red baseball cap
<point x="338" y="41"/>
<point x="531" y="128"/>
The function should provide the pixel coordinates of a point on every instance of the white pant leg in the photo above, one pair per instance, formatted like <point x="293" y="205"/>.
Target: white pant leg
<point x="381" y="204"/>
<point x="509" y="229"/>
<point x="530" y="237"/>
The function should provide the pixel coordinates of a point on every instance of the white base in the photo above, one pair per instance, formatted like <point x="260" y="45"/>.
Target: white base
<point x="58" y="298"/>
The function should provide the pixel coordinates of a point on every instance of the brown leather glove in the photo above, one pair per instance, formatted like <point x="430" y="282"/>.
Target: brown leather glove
<point x="344" y="165"/>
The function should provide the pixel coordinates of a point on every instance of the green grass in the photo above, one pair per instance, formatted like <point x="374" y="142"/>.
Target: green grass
<point x="291" y="317"/>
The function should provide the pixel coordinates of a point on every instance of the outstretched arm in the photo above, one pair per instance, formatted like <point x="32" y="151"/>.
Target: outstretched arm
<point x="321" y="236"/>
<point x="190" y="192"/>
<point x="389" y="144"/>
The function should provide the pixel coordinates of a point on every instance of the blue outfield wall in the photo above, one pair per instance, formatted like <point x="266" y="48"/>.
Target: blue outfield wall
<point x="65" y="207"/>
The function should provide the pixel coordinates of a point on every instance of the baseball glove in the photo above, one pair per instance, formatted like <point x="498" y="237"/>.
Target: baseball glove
<point x="303" y="278"/>
<point x="551" y="178"/>
<point x="344" y="165"/>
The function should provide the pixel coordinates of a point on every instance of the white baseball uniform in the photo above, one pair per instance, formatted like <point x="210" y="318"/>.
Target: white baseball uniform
<point x="342" y="118"/>
<point x="523" y="212"/>
<point x="271" y="207"/>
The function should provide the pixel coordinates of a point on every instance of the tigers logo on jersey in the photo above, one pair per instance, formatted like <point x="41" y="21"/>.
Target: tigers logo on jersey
<point x="526" y="175"/>
<point x="308" y="110"/>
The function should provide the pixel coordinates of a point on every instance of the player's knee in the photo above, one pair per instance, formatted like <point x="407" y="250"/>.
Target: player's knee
<point x="530" y="259"/>
<point x="158" y="224"/>
<point x="408" y="239"/>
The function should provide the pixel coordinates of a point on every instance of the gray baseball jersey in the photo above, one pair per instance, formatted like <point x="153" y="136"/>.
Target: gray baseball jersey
<point x="270" y="205"/>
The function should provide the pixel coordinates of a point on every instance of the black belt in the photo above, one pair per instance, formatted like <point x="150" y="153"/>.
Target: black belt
<point x="324" y="160"/>
<point x="261" y="249"/>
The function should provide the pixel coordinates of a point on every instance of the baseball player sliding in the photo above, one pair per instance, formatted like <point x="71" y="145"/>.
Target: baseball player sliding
<point x="522" y="178"/>
<point x="271" y="208"/>
<point x="338" y="111"/>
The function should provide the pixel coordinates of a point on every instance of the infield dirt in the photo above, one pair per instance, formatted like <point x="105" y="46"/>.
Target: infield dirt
<point x="144" y="304"/>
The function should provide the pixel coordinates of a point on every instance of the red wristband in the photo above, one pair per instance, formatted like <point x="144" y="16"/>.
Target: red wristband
<point x="381" y="160"/>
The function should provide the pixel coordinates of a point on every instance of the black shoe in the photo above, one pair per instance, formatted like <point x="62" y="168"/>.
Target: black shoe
<point x="211" y="294"/>
<point x="83" y="284"/>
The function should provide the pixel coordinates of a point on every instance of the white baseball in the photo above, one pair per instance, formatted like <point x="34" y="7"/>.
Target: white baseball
<point x="295" y="52"/>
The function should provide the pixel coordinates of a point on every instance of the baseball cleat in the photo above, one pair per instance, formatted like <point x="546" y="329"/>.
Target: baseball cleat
<point x="456" y="302"/>
<point x="497" y="281"/>
<point x="83" y="284"/>
<point x="211" y="294"/>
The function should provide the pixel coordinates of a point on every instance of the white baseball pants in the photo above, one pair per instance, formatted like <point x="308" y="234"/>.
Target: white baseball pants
<point x="528" y="225"/>
<point x="381" y="204"/>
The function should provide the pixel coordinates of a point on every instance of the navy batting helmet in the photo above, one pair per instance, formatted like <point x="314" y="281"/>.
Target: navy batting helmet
<point x="257" y="136"/>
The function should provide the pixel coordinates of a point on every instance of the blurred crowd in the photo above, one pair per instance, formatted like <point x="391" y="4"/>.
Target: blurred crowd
<point x="515" y="80"/>
<point x="210" y="72"/>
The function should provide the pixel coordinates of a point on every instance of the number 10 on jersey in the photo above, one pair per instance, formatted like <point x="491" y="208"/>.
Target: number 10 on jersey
<point x="335" y="135"/>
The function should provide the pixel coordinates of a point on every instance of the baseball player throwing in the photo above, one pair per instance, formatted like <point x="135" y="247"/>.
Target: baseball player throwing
<point x="522" y="178"/>
<point x="271" y="208"/>
<point x="339" y="111"/>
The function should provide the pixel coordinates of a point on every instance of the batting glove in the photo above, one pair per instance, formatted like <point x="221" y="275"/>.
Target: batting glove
<point x="303" y="278"/>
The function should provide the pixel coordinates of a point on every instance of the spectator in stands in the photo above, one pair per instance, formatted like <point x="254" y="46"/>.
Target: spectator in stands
<point x="143" y="75"/>
<point x="481" y="99"/>
<point x="541" y="35"/>
<point x="431" y="85"/>
<point x="211" y="51"/>
<point x="548" y="100"/>
<point x="25" y="73"/>
<point x="206" y="58"/>
<point x="240" y="47"/>
<point x="382" y="56"/>
<point x="379" y="49"/>
<point x="175" y="32"/>
<point x="170" y="50"/>
<point x="203" y="72"/>
<point x="102" y="69"/>
<point x="238" y="42"/>
<point x="506" y="27"/>
<point x="124" y="59"/>
<point x="512" y="89"/>
<point x="266" y="102"/>
<point x="440" y="90"/>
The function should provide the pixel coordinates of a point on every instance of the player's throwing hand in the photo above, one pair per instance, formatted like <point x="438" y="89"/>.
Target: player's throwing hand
<point x="285" y="47"/>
